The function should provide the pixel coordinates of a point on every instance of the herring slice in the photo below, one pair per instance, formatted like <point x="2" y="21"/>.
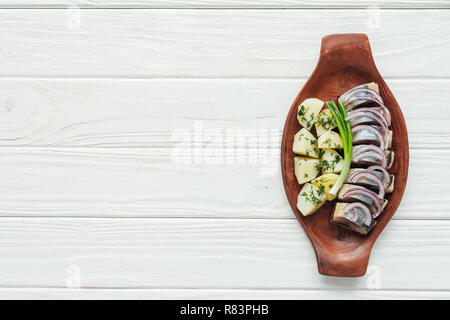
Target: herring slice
<point x="353" y="216"/>
<point x="389" y="180"/>
<point x="354" y="193"/>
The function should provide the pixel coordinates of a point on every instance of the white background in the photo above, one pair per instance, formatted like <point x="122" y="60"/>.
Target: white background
<point x="94" y="203"/>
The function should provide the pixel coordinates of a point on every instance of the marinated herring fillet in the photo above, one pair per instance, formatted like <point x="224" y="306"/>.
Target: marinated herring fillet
<point x="353" y="216"/>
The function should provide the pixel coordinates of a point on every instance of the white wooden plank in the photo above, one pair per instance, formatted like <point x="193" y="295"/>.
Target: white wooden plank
<point x="104" y="148"/>
<point x="224" y="4"/>
<point x="214" y="294"/>
<point x="118" y="183"/>
<point x="208" y="253"/>
<point x="146" y="113"/>
<point x="212" y="43"/>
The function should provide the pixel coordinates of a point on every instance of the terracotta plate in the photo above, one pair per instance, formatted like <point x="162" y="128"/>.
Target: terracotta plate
<point x="345" y="61"/>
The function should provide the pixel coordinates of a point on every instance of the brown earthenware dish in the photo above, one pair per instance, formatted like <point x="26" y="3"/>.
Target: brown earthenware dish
<point x="345" y="61"/>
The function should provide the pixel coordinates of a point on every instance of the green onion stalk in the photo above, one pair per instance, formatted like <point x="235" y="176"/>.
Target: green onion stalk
<point x="339" y="114"/>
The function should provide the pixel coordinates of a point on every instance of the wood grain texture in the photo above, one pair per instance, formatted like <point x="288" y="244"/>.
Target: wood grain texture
<point x="212" y="43"/>
<point x="215" y="294"/>
<point x="121" y="183"/>
<point x="102" y="148"/>
<point x="254" y="4"/>
<point x="146" y="113"/>
<point x="209" y="253"/>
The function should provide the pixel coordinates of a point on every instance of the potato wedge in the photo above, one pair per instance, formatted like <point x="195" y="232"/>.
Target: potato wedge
<point x="324" y="122"/>
<point x="330" y="140"/>
<point x="331" y="161"/>
<point x="308" y="110"/>
<point x="326" y="182"/>
<point x="306" y="169"/>
<point x="305" y="144"/>
<point x="310" y="199"/>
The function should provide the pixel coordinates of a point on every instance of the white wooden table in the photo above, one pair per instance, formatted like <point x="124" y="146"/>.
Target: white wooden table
<point x="139" y="147"/>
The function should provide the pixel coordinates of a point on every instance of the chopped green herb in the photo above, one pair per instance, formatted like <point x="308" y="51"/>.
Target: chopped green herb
<point x="318" y="166"/>
<point x="301" y="111"/>
<point x="337" y="158"/>
<point x="313" y="198"/>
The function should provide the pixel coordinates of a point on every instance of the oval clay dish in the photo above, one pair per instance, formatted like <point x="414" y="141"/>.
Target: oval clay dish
<point x="345" y="61"/>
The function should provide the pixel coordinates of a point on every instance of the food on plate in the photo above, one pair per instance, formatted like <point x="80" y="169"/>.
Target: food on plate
<point x="308" y="111"/>
<point x="331" y="161"/>
<point x="330" y="139"/>
<point x="383" y="174"/>
<point x="324" y="122"/>
<point x="326" y="182"/>
<point x="366" y="116"/>
<point x="339" y="115"/>
<point x="369" y="178"/>
<point x="370" y="155"/>
<point x="305" y="144"/>
<point x="354" y="216"/>
<point x="310" y="199"/>
<point x="366" y="134"/>
<point x="354" y="159"/>
<point x="354" y="193"/>
<point x="390" y="158"/>
<point x="362" y="96"/>
<point x="306" y="169"/>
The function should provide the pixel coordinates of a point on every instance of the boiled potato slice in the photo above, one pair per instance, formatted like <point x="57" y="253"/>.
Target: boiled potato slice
<point x="305" y="144"/>
<point x="308" y="110"/>
<point x="306" y="169"/>
<point x="330" y="140"/>
<point x="324" y="122"/>
<point x="331" y="161"/>
<point x="326" y="182"/>
<point x="310" y="199"/>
